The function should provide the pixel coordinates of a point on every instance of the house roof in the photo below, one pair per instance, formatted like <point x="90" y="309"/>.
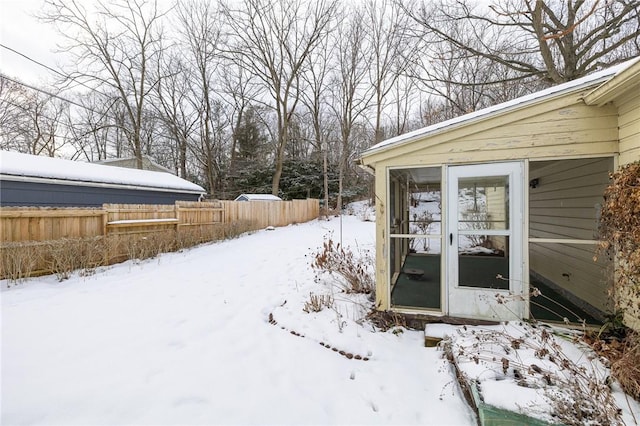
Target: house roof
<point x="593" y="80"/>
<point x="25" y="167"/>
<point x="147" y="163"/>
<point x="625" y="81"/>
<point x="258" y="197"/>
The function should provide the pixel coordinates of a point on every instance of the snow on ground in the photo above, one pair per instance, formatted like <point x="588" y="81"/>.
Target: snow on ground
<point x="525" y="368"/>
<point x="185" y="339"/>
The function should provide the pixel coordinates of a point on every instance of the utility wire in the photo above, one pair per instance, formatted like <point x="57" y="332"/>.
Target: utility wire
<point x="65" y="100"/>
<point x="37" y="89"/>
<point x="66" y="76"/>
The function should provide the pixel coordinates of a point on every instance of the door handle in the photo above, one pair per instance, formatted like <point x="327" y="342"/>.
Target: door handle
<point x="451" y="239"/>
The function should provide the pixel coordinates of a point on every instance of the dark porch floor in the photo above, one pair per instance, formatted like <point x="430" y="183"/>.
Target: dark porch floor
<point x="424" y="291"/>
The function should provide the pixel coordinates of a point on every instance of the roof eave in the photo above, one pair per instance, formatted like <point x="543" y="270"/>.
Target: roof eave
<point x="616" y="86"/>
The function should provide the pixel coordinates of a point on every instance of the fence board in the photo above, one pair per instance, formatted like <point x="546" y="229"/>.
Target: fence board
<point x="192" y="221"/>
<point x="116" y="232"/>
<point x="48" y="223"/>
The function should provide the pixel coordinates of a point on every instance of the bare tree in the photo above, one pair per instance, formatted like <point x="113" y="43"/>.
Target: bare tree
<point x="392" y="51"/>
<point x="465" y="82"/>
<point x="315" y="99"/>
<point x="350" y="95"/>
<point x="272" y="40"/>
<point x="174" y="108"/>
<point x="48" y="126"/>
<point x="200" y="28"/>
<point x="31" y="121"/>
<point x="553" y="40"/>
<point x="14" y="103"/>
<point x="240" y="93"/>
<point x="113" y="46"/>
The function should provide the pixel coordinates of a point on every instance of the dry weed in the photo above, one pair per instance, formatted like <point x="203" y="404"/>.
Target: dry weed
<point x="386" y="320"/>
<point x="623" y="355"/>
<point x="354" y="269"/>
<point x="579" y="393"/>
<point x="316" y="303"/>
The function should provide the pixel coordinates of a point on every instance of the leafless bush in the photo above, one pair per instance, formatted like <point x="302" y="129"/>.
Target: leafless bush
<point x="189" y="237"/>
<point x="623" y="354"/>
<point x="619" y="233"/>
<point x="92" y="254"/>
<point x="477" y="221"/>
<point x="63" y="256"/>
<point x="420" y="225"/>
<point x="237" y="228"/>
<point x="316" y="302"/>
<point x="354" y="269"/>
<point x="578" y="393"/>
<point x="150" y="245"/>
<point x="626" y="369"/>
<point x="18" y="260"/>
<point x="386" y="320"/>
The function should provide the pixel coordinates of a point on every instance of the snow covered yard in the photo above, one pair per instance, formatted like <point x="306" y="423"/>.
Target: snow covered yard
<point x="185" y="339"/>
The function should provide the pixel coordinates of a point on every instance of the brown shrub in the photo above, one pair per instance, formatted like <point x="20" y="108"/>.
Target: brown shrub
<point x="18" y="260"/>
<point x="619" y="233"/>
<point x="626" y="368"/>
<point x="354" y="269"/>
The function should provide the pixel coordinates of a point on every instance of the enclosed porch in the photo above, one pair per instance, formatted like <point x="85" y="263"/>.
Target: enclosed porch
<point x="499" y="240"/>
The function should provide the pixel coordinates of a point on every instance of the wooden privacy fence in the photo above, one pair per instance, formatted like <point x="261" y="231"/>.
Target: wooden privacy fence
<point x="116" y="232"/>
<point x="271" y="213"/>
<point x="52" y="223"/>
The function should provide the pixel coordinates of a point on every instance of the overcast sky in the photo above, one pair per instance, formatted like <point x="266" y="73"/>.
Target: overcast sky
<point x="22" y="31"/>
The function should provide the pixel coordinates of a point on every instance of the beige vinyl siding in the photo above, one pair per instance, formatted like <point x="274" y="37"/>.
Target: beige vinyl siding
<point x="574" y="131"/>
<point x="497" y="213"/>
<point x="566" y="205"/>
<point x="629" y="122"/>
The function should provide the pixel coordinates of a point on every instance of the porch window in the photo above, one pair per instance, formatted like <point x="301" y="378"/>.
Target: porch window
<point x="415" y="218"/>
<point x="565" y="197"/>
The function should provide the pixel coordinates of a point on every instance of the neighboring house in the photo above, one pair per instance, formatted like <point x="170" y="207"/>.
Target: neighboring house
<point x="257" y="197"/>
<point x="29" y="180"/>
<point x="473" y="211"/>
<point x="132" y="163"/>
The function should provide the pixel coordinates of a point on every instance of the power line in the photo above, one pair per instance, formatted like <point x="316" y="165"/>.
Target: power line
<point x="37" y="89"/>
<point x="66" y="76"/>
<point x="65" y="100"/>
<point x="32" y="60"/>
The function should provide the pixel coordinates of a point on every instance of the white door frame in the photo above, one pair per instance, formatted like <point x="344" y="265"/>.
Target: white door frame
<point x="483" y="303"/>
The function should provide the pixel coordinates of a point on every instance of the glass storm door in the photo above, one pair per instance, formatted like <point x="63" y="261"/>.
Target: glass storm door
<point x="484" y="238"/>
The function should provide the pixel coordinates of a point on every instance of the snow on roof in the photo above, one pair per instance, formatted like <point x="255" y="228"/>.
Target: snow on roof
<point x="257" y="197"/>
<point x="574" y="85"/>
<point x="146" y="161"/>
<point x="14" y="165"/>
